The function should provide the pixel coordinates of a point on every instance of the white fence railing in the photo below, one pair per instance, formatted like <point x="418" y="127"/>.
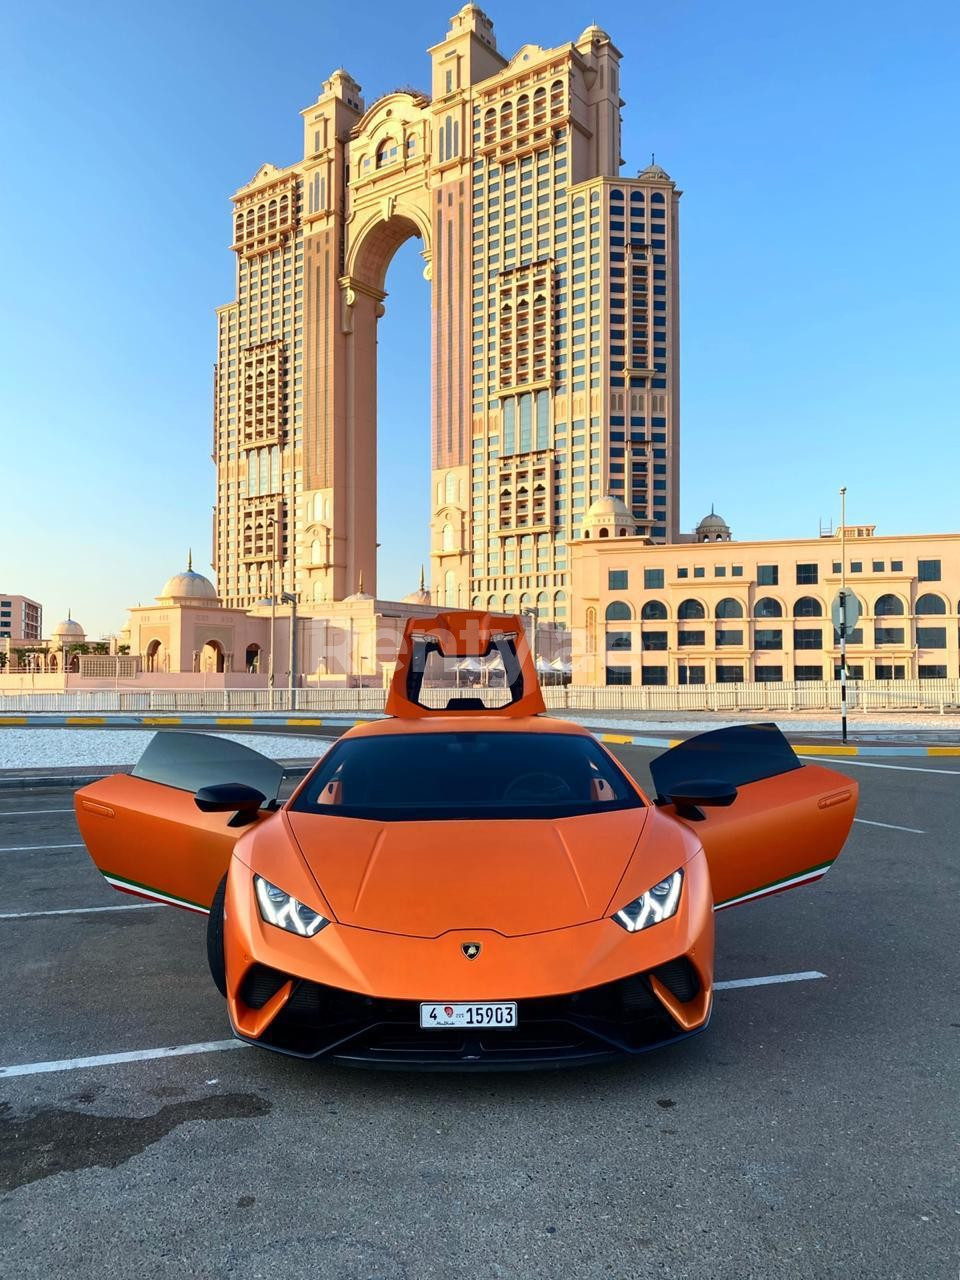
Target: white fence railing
<point x="940" y="696"/>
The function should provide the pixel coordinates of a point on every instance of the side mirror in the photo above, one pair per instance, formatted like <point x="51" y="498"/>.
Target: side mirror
<point x="231" y="797"/>
<point x="687" y="797"/>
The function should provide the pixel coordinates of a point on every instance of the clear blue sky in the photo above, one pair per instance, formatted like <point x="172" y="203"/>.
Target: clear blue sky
<point x="816" y="144"/>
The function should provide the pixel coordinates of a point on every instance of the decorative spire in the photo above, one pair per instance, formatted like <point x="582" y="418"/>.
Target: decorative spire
<point x="423" y="585"/>
<point x="360" y="584"/>
<point x="190" y="560"/>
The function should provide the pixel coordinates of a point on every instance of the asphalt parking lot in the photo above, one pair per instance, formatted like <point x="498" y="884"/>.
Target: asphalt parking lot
<point x="811" y="1132"/>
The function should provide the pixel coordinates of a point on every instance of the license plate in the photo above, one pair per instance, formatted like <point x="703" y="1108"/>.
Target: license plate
<point x="487" y="1014"/>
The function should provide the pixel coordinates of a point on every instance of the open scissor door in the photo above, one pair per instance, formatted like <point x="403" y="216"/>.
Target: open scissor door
<point x="786" y="826"/>
<point x="144" y="831"/>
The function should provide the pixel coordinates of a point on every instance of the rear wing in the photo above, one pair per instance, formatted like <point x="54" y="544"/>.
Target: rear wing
<point x="464" y="634"/>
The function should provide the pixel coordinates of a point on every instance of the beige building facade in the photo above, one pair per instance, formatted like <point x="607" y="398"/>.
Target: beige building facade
<point x="711" y="610"/>
<point x="554" y="318"/>
<point x="20" y="618"/>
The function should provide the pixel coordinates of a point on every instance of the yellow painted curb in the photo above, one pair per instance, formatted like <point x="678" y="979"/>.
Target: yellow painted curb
<point x="623" y="739"/>
<point x="160" y="720"/>
<point x="82" y="720"/>
<point x="808" y="749"/>
<point x="314" y="724"/>
<point x="943" y="751"/>
<point x="233" y="720"/>
<point x="12" y="720"/>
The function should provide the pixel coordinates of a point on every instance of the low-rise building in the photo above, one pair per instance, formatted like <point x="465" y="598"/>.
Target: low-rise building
<point x="20" y="618"/>
<point x="711" y="610"/>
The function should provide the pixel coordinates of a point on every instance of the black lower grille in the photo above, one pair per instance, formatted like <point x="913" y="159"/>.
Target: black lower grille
<point x="259" y="984"/>
<point x="319" y="1021"/>
<point x="679" y="977"/>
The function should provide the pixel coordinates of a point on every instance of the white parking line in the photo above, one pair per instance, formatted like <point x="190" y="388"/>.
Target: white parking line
<point x="29" y="813"/>
<point x="890" y="826"/>
<point x="114" y="1059"/>
<point x="77" y="911"/>
<point x="36" y="848"/>
<point x="217" y="1046"/>
<point x="768" y="981"/>
<point x="842" y="762"/>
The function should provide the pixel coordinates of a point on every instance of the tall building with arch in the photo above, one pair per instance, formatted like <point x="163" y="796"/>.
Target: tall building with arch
<point x="554" y="319"/>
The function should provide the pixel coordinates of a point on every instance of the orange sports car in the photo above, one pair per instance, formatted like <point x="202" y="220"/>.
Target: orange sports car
<point x="465" y="885"/>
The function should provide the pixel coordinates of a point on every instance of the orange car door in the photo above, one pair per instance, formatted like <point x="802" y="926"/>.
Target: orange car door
<point x="786" y="826"/>
<point x="144" y="831"/>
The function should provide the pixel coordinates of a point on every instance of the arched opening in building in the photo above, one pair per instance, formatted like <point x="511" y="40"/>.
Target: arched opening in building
<point x="155" y="656"/>
<point x="251" y="659"/>
<point x="403" y="443"/>
<point x="211" y="656"/>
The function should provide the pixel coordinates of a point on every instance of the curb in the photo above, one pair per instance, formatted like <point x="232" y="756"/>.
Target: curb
<point x="801" y="748"/>
<point x="46" y="720"/>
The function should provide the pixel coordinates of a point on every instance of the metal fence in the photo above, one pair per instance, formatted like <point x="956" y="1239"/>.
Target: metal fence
<point x="941" y="696"/>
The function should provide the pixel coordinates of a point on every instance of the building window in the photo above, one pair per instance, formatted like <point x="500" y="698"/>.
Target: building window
<point x="888" y="635"/>
<point x="690" y="609"/>
<point x="653" y="579"/>
<point x="653" y="611"/>
<point x="728" y="608"/>
<point x="729" y="674"/>
<point x="854" y="672"/>
<point x="767" y="607"/>
<point x="653" y="675"/>
<point x="808" y="638"/>
<point x="856" y="566"/>
<point x="698" y="571"/>
<point x="654" y="640"/>
<point x="932" y="672"/>
<point x="808" y="607"/>
<point x="878" y="566"/>
<point x="931" y="637"/>
<point x="618" y="611"/>
<point x="807" y="575"/>
<point x="619" y="640"/>
<point x="690" y="637"/>
<point x="896" y="566"/>
<point x="887" y="672"/>
<point x="768" y="575"/>
<point x="619" y="675"/>
<point x="768" y="638"/>
<point x="683" y="572"/>
<point x="808" y="673"/>
<point x="617" y="579"/>
<point x="728" y="636"/>
<point x="930" y="603"/>
<point x="889" y="606"/>
<point x="928" y="570"/>
<point x="691" y="674"/>
<point x="768" y="675"/>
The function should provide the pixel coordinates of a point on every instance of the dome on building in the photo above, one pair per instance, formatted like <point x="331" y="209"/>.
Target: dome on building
<point x="359" y="594"/>
<point x="713" y="528"/>
<point x="189" y="586"/>
<point x="421" y="595"/>
<point x="654" y="173"/>
<point x="609" y="517"/>
<point x="69" y="629"/>
<point x="593" y="32"/>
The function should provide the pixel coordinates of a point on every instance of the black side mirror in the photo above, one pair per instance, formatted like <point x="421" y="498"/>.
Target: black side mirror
<point x="231" y="797"/>
<point x="689" y="796"/>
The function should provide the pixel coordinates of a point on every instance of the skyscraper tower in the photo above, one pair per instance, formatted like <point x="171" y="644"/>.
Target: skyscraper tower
<point x="554" y="322"/>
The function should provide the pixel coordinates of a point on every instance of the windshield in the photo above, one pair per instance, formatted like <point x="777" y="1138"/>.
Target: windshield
<point x="406" y="777"/>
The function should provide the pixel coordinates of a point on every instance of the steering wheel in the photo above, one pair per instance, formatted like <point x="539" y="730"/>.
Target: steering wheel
<point x="538" y="786"/>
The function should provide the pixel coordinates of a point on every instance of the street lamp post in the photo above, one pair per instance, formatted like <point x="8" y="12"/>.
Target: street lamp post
<point x="271" y="524"/>
<point x="843" y="613"/>
<point x="290" y="599"/>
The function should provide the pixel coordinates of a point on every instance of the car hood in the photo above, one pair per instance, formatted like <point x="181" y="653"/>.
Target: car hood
<point x="422" y="879"/>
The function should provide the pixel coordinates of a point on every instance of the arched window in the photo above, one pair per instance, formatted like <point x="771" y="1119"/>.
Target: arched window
<point x="506" y="120"/>
<point x="729" y="608"/>
<point x="526" y="600"/>
<point x="490" y="125"/>
<point x="493" y="603"/>
<point x="654" y="611"/>
<point x="509" y="603"/>
<point x="317" y="507"/>
<point x="767" y="607"/>
<point x="523" y="112"/>
<point x="451" y="487"/>
<point x="318" y="591"/>
<point x="450" y="588"/>
<point x="690" y="609"/>
<point x="657" y="198"/>
<point x="618" y="611"/>
<point x="931" y="603"/>
<point x="888" y="606"/>
<point x="447" y="543"/>
<point x="316" y="552"/>
<point x="603" y="533"/>
<point x="808" y="607"/>
<point x="386" y="152"/>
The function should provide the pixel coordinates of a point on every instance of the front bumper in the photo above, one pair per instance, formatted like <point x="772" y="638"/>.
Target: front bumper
<point x="600" y="1023"/>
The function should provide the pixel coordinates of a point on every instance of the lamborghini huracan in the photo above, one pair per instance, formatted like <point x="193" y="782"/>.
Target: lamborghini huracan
<point x="465" y="885"/>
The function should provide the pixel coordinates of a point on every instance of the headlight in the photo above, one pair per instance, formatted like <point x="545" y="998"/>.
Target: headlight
<point x="658" y="903"/>
<point x="286" y="911"/>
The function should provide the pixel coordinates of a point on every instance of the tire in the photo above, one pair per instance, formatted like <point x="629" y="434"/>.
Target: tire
<point x="215" y="956"/>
